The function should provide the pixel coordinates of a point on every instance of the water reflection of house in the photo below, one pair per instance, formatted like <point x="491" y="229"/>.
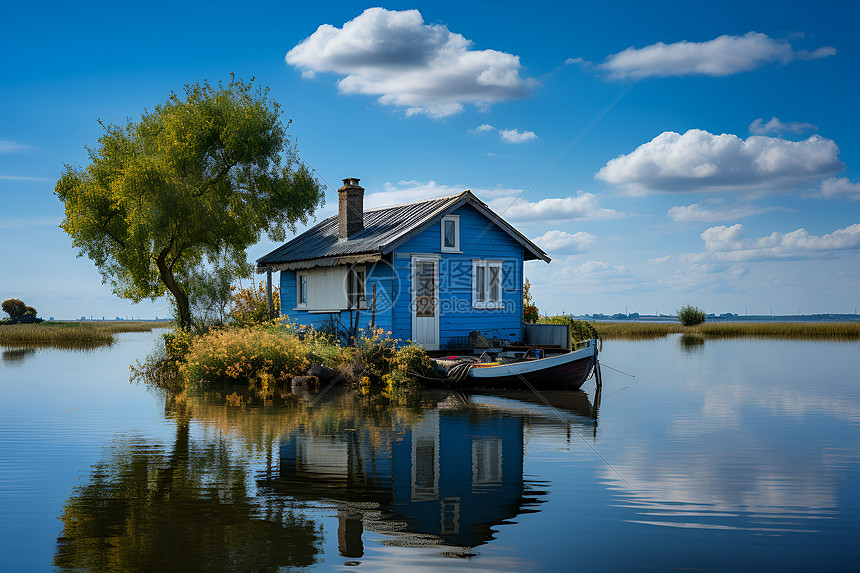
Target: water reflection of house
<point x="447" y="479"/>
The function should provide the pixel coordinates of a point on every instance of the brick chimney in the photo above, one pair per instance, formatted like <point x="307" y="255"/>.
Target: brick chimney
<point x="350" y="208"/>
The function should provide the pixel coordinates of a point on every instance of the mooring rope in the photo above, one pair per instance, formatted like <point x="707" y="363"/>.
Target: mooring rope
<point x="602" y="363"/>
<point x="458" y="372"/>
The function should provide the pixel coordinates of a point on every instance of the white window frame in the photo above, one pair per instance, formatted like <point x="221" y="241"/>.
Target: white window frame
<point x="299" y="291"/>
<point x="481" y="292"/>
<point x="456" y="220"/>
<point x="356" y="297"/>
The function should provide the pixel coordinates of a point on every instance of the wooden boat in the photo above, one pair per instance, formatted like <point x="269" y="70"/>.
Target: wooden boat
<point x="564" y="370"/>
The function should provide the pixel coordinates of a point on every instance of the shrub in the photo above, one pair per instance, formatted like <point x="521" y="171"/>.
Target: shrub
<point x="530" y="310"/>
<point x="690" y="315"/>
<point x="176" y="344"/>
<point x="579" y="329"/>
<point x="411" y="360"/>
<point x="375" y="354"/>
<point x="245" y="354"/>
<point x="250" y="305"/>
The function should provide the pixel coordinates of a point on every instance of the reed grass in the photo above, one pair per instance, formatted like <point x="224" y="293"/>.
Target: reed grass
<point x="83" y="337"/>
<point x="788" y="330"/>
<point x="796" y="330"/>
<point x="70" y="335"/>
<point x="636" y="330"/>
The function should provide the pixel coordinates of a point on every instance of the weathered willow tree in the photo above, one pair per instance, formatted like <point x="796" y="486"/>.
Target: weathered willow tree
<point x="188" y="187"/>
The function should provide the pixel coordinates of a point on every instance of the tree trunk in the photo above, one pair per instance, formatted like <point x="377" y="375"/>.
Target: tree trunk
<point x="178" y="294"/>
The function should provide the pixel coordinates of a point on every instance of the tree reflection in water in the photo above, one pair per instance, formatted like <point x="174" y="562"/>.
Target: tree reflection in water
<point x="422" y="468"/>
<point x="189" y="509"/>
<point x="17" y="355"/>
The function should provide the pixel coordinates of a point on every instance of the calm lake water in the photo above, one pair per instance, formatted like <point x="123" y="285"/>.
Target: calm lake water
<point x="736" y="455"/>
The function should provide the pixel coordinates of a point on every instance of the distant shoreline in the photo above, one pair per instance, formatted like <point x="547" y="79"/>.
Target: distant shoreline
<point x="808" y="330"/>
<point x="734" y="318"/>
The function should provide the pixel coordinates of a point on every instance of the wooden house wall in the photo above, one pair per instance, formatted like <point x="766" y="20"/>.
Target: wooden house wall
<point x="379" y="274"/>
<point x="479" y="239"/>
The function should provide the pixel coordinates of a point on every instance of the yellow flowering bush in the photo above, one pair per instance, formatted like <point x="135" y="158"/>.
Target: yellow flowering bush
<point x="245" y="354"/>
<point x="250" y="305"/>
<point x="412" y="359"/>
<point x="374" y="353"/>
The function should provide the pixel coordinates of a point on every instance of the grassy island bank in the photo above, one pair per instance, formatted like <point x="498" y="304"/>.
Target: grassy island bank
<point x="71" y="335"/>
<point x="274" y="354"/>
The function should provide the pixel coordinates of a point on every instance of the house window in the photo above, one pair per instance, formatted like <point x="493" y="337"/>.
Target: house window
<point x="486" y="462"/>
<point x="451" y="234"/>
<point x="486" y="284"/>
<point x="301" y="290"/>
<point x="356" y="287"/>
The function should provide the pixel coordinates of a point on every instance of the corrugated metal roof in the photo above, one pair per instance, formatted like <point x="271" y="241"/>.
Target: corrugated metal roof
<point x="384" y="229"/>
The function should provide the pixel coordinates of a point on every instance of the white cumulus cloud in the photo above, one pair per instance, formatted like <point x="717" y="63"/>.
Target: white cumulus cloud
<point x="731" y="244"/>
<point x="516" y="136"/>
<point x="722" y="56"/>
<point x="507" y="135"/>
<point x="484" y="128"/>
<point x="409" y="191"/>
<point x="702" y="161"/>
<point x="713" y="211"/>
<point x="600" y="270"/>
<point x="504" y="201"/>
<point x="838" y="188"/>
<point x="775" y="126"/>
<point x="406" y="63"/>
<point x="564" y="242"/>
<point x="582" y="206"/>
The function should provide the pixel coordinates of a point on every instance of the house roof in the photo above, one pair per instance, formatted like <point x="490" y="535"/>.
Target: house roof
<point x="384" y="230"/>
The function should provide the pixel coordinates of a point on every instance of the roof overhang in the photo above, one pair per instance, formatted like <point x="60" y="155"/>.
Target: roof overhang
<point x="322" y="262"/>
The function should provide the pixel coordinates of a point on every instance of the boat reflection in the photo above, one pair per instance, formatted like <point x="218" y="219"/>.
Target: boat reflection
<point x="445" y="476"/>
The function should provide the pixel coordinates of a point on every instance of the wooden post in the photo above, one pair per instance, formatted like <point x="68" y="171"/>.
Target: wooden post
<point x="355" y="330"/>
<point x="373" y="308"/>
<point x="269" y="303"/>
<point x="598" y="375"/>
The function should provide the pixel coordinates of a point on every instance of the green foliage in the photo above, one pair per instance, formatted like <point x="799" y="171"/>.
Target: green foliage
<point x="245" y="355"/>
<point x="18" y="311"/>
<point x="530" y="311"/>
<point x="176" y="344"/>
<point x="185" y="191"/>
<point x="579" y="329"/>
<point x="411" y="360"/>
<point x="180" y="506"/>
<point x="375" y="354"/>
<point x="14" y="308"/>
<point x="210" y="297"/>
<point x="690" y="315"/>
<point x="250" y="305"/>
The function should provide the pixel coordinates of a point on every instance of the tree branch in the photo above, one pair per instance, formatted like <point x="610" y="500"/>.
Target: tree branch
<point x="221" y="174"/>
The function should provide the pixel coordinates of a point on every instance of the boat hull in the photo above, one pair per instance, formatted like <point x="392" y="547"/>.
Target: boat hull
<point x="561" y="372"/>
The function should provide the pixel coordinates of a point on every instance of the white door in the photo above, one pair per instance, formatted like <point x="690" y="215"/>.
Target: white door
<point x="425" y="302"/>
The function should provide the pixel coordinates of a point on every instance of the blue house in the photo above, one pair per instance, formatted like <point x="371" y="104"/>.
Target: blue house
<point x="453" y="475"/>
<point x="431" y="271"/>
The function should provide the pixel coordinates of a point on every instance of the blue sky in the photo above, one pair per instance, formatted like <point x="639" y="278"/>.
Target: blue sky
<point x="726" y="174"/>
